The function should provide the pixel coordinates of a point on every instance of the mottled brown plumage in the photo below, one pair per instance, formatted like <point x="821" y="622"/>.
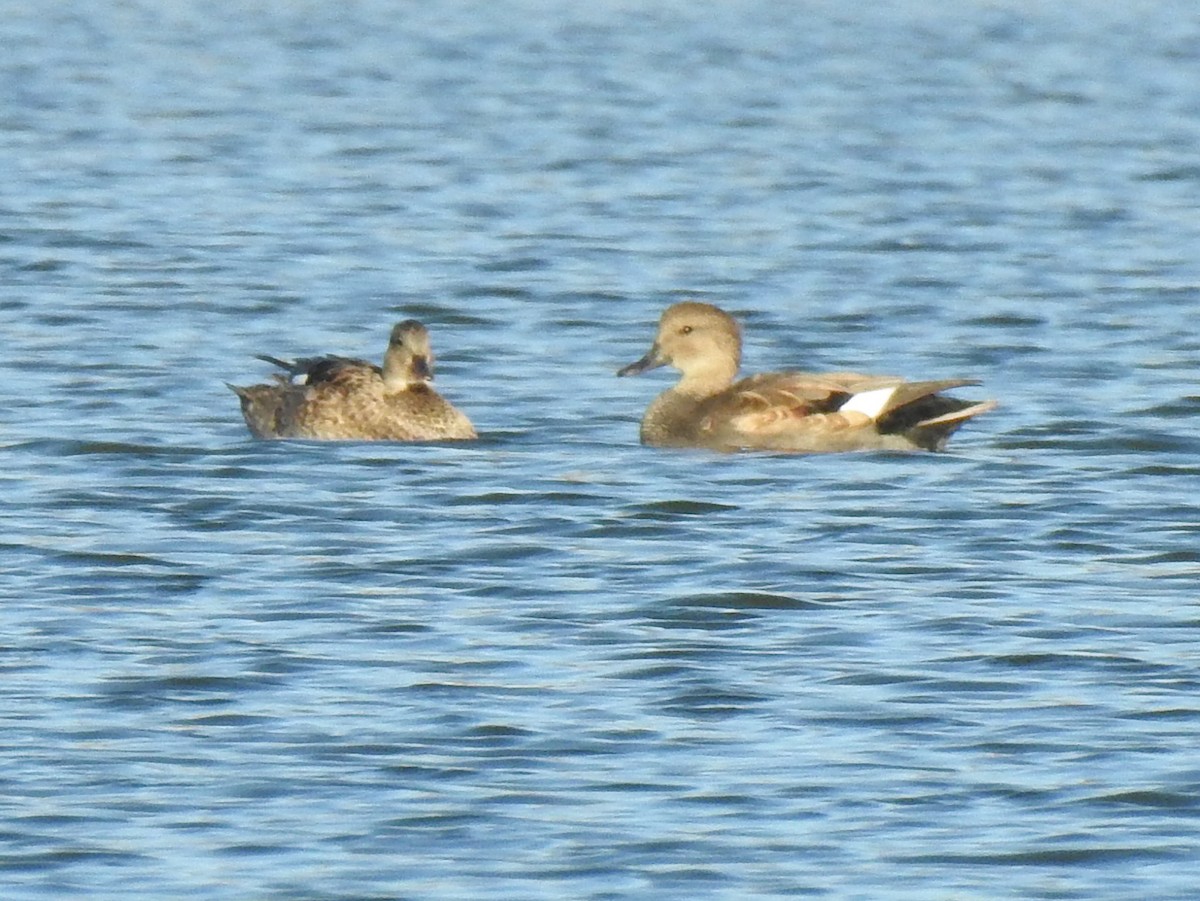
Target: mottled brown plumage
<point x="336" y="398"/>
<point x="799" y="412"/>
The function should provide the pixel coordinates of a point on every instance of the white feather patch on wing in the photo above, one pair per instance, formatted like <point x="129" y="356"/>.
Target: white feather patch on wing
<point x="870" y="403"/>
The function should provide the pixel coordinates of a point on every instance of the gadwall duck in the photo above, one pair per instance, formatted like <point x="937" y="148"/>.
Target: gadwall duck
<point x="784" y="411"/>
<point x="340" y="398"/>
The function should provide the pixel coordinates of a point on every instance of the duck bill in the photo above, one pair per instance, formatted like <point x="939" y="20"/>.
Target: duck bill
<point x="422" y="369"/>
<point x="652" y="360"/>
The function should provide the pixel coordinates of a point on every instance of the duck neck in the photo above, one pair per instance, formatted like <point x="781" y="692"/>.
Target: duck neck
<point x="397" y="370"/>
<point x="712" y="378"/>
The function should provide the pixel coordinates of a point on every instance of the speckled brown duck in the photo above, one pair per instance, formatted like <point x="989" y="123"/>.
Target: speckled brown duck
<point x="799" y="412"/>
<point x="338" y="398"/>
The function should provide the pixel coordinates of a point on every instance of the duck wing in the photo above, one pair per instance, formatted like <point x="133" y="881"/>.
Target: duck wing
<point x="324" y="369"/>
<point x="836" y="411"/>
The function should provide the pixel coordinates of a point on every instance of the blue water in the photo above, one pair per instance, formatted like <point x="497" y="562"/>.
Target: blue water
<point x="554" y="664"/>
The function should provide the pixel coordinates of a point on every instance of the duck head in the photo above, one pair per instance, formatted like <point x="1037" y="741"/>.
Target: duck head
<point x="408" y="360"/>
<point x="700" y="340"/>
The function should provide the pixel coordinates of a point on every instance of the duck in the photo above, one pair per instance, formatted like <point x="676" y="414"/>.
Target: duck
<point x="341" y="398"/>
<point x="794" y="412"/>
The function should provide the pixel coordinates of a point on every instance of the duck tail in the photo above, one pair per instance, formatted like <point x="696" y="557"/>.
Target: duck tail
<point x="927" y="418"/>
<point x="275" y="361"/>
<point x="260" y="408"/>
<point x="933" y="433"/>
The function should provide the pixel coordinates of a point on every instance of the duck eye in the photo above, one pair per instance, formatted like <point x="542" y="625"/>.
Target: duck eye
<point x="686" y="330"/>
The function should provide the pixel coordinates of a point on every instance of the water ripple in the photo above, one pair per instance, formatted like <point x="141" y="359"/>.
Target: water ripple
<point x="553" y="663"/>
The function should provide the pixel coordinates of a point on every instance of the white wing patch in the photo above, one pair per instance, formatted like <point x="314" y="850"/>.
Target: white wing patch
<point x="870" y="403"/>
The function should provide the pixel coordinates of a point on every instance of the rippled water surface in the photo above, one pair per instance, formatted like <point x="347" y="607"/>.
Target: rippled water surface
<point x="552" y="663"/>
